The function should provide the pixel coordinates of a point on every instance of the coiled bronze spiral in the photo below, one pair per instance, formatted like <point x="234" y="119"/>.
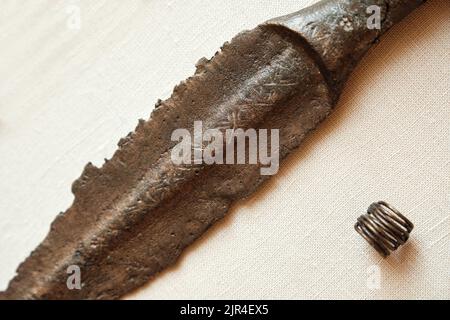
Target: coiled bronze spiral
<point x="384" y="228"/>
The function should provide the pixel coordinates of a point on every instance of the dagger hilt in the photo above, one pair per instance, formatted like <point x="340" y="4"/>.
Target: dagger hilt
<point x="339" y="33"/>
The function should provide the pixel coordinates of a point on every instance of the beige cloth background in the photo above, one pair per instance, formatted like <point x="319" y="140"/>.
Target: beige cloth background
<point x="69" y="92"/>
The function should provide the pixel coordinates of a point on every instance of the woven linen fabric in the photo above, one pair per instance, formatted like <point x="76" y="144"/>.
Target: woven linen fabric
<point x="75" y="76"/>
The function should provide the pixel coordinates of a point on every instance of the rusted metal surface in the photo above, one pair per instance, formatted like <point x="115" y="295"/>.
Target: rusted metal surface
<point x="134" y="216"/>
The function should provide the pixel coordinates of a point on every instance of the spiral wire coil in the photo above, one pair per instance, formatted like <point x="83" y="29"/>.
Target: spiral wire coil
<point x="384" y="228"/>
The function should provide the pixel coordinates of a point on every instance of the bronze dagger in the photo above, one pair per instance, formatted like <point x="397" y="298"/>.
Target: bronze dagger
<point x="134" y="216"/>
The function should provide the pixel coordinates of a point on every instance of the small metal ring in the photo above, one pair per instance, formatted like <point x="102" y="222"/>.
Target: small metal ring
<point x="384" y="227"/>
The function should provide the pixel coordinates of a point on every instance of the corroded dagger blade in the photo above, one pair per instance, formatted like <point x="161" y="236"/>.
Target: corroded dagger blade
<point x="134" y="216"/>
